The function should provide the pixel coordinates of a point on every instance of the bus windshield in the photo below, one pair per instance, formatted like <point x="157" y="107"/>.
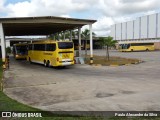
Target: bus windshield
<point x="125" y="46"/>
<point x="21" y="49"/>
<point x="120" y="46"/>
<point x="65" y="45"/>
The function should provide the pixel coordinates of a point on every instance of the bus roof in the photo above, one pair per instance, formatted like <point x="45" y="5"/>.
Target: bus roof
<point x="135" y="42"/>
<point x="50" y="41"/>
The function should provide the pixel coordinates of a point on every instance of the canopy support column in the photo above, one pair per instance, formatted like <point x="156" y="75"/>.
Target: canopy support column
<point x="3" y="46"/>
<point x="79" y="39"/>
<point x="91" y="44"/>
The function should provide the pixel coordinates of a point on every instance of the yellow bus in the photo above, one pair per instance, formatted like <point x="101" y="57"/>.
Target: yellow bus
<point x="86" y="46"/>
<point x="51" y="53"/>
<point x="20" y="51"/>
<point x="136" y="47"/>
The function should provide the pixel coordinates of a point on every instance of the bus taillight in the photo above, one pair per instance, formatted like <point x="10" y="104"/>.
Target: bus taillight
<point x="57" y="59"/>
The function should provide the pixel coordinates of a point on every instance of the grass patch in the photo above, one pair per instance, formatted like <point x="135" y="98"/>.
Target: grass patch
<point x="8" y="104"/>
<point x="113" y="60"/>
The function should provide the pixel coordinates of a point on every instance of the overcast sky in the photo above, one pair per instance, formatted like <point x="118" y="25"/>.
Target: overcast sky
<point x="106" y="12"/>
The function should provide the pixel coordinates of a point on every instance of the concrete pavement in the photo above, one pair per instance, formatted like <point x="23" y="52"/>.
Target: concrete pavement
<point x="88" y="88"/>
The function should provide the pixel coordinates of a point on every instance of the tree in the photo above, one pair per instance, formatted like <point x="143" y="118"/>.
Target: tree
<point x="67" y="35"/>
<point x="108" y="42"/>
<point x="74" y="34"/>
<point x="85" y="35"/>
<point x="55" y="36"/>
<point x="60" y="35"/>
<point x="8" y="50"/>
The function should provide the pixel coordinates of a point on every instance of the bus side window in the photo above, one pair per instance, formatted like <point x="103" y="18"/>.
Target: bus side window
<point x="50" y="47"/>
<point x="30" y="47"/>
<point x="41" y="47"/>
<point x="128" y="46"/>
<point x="35" y="46"/>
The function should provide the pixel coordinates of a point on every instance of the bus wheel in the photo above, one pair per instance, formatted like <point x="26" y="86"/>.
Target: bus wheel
<point x="147" y="49"/>
<point x="132" y="50"/>
<point x="45" y="63"/>
<point x="48" y="63"/>
<point x="30" y="60"/>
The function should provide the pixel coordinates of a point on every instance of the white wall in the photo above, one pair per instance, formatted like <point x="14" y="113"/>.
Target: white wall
<point x="7" y="44"/>
<point x="124" y="31"/>
<point x="158" y="34"/>
<point x="144" y="27"/>
<point x="152" y="26"/>
<point x="118" y="31"/>
<point x="137" y="28"/>
<point x="130" y="30"/>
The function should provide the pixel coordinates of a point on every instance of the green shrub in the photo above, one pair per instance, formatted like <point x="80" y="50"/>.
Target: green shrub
<point x="8" y="50"/>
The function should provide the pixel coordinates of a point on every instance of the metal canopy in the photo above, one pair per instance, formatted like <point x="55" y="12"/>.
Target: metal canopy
<point x="40" y="25"/>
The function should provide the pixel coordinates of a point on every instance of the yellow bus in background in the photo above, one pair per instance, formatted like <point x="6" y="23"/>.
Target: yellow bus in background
<point x="87" y="46"/>
<point x="20" y="51"/>
<point x="136" y="47"/>
<point x="51" y="53"/>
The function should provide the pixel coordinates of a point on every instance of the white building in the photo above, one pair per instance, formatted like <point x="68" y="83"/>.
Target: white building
<point x="142" y="29"/>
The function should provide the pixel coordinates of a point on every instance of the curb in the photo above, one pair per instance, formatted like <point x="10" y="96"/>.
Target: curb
<point x="112" y="65"/>
<point x="116" y="65"/>
<point x="96" y="65"/>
